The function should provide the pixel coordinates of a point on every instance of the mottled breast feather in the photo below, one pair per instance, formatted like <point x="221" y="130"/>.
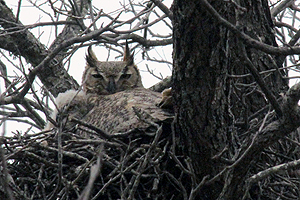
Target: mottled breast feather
<point x="117" y="112"/>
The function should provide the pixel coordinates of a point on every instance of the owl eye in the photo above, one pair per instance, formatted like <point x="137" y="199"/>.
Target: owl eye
<point x="97" y="76"/>
<point x="125" y="76"/>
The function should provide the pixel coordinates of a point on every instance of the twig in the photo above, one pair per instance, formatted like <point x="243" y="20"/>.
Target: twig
<point x="247" y="39"/>
<point x="6" y="175"/>
<point x="270" y="171"/>
<point x="95" y="170"/>
<point x="48" y="59"/>
<point x="283" y="5"/>
<point x="196" y="190"/>
<point x="163" y="8"/>
<point x="143" y="165"/>
<point x="260" y="82"/>
<point x="90" y="126"/>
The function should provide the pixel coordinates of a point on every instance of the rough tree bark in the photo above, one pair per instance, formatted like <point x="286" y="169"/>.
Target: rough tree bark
<point x="211" y="109"/>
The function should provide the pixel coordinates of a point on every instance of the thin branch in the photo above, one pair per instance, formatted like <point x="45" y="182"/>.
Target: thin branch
<point x="163" y="8"/>
<point x="23" y="28"/>
<point x="25" y="44"/>
<point x="272" y="170"/>
<point x="102" y="133"/>
<point x="282" y="24"/>
<point x="247" y="39"/>
<point x="94" y="172"/>
<point x="19" y="10"/>
<point x="260" y="82"/>
<point x="197" y="189"/>
<point x="283" y="5"/>
<point x="47" y="60"/>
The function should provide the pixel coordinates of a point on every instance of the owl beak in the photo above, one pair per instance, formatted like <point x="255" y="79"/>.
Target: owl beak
<point x="111" y="87"/>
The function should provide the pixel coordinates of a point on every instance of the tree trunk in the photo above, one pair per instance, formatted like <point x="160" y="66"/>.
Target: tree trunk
<point x="213" y="105"/>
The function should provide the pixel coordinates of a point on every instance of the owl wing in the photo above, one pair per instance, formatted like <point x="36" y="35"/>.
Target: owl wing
<point x="127" y="110"/>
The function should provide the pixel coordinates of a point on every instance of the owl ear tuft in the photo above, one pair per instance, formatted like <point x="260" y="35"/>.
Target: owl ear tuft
<point x="91" y="58"/>
<point x="128" y="57"/>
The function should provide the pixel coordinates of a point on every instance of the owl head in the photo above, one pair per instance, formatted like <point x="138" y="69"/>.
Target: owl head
<point x="105" y="78"/>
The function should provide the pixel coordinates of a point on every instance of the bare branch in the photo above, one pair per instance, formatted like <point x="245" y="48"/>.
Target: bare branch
<point x="48" y="60"/>
<point x="272" y="170"/>
<point x="283" y="5"/>
<point x="261" y="82"/>
<point x="247" y="39"/>
<point x="163" y="8"/>
<point x="26" y="45"/>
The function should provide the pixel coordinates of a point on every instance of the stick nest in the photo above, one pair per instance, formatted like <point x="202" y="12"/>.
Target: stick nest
<point x="62" y="165"/>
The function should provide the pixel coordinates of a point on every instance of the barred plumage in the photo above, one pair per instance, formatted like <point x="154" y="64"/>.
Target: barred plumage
<point x="111" y="97"/>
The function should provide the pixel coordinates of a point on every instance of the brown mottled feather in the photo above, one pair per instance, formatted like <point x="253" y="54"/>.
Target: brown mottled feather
<point x="114" y="113"/>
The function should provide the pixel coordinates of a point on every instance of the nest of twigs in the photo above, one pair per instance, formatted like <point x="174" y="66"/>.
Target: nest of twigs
<point x="63" y="165"/>
<point x="133" y="165"/>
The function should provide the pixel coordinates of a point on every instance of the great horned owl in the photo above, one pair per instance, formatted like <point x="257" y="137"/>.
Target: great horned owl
<point x="104" y="78"/>
<point x="112" y="95"/>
